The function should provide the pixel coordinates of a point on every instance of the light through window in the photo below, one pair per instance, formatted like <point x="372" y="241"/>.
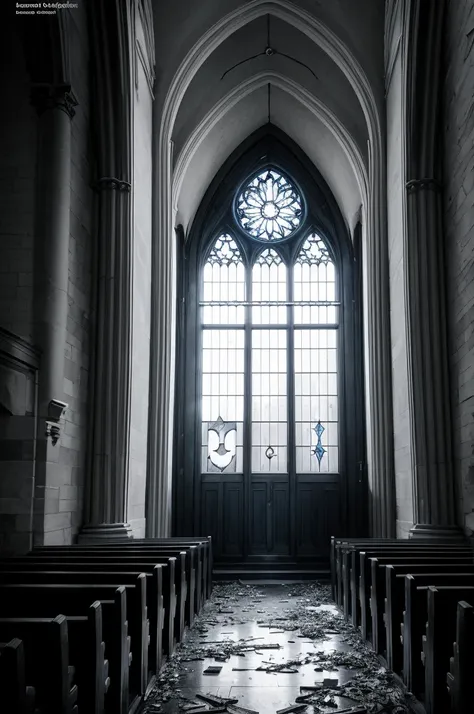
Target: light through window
<point x="269" y="397"/>
<point x="269" y="207"/>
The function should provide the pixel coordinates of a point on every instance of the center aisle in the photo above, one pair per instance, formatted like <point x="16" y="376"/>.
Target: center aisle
<point x="271" y="647"/>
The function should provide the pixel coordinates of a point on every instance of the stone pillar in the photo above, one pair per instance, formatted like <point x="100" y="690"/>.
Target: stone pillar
<point x="55" y="106"/>
<point x="433" y="467"/>
<point x="106" y="514"/>
<point x="159" y="476"/>
<point x="433" y="479"/>
<point x="108" y="465"/>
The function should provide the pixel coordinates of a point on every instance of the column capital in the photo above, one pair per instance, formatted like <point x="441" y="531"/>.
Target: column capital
<point x="53" y="96"/>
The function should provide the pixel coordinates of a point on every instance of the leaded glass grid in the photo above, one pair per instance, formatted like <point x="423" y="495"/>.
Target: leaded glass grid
<point x="290" y="317"/>
<point x="224" y="283"/>
<point x="269" y="207"/>
<point x="269" y="401"/>
<point x="315" y="282"/>
<point x="222" y="396"/>
<point x="269" y="284"/>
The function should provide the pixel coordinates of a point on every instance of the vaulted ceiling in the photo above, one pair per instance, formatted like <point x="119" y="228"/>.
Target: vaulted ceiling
<point x="323" y="114"/>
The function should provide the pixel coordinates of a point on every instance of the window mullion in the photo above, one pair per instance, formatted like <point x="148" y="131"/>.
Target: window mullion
<point x="247" y="454"/>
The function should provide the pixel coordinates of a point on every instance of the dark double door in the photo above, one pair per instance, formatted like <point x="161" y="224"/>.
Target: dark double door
<point x="266" y="517"/>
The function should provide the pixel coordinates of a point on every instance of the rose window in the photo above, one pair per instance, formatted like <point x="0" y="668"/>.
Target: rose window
<point x="269" y="207"/>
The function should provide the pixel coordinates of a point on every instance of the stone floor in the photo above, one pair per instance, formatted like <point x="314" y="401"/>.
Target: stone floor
<point x="311" y="646"/>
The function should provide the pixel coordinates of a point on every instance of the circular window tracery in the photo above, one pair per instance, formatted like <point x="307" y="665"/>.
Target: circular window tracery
<point x="269" y="207"/>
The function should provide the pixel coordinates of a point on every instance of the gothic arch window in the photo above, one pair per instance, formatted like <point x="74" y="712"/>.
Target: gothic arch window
<point x="263" y="442"/>
<point x="269" y="340"/>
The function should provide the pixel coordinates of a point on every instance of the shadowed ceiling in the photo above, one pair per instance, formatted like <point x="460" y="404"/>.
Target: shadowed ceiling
<point x="357" y="23"/>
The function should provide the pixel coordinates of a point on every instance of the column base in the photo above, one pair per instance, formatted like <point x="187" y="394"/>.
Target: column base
<point x="441" y="533"/>
<point x="104" y="532"/>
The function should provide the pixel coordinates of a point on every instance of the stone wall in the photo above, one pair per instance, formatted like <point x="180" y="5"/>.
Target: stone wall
<point x="459" y="235"/>
<point x="65" y="489"/>
<point x="58" y="503"/>
<point x="17" y="186"/>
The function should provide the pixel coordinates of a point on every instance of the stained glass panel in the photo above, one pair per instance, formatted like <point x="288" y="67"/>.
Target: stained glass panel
<point x="222" y="400"/>
<point x="316" y="401"/>
<point x="315" y="281"/>
<point x="224" y="280"/>
<point x="269" y="401"/>
<point x="269" y="207"/>
<point x="269" y="278"/>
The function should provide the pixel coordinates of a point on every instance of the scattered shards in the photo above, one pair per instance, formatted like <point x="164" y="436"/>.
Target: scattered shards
<point x="213" y="669"/>
<point x="215" y="700"/>
<point x="371" y="690"/>
<point x="206" y="710"/>
<point x="293" y="709"/>
<point x="243" y="669"/>
<point x="234" y="709"/>
<point x="303" y="698"/>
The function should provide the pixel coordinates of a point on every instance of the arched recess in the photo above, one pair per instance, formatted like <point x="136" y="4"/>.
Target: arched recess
<point x="266" y="147"/>
<point x="376" y="294"/>
<point x="302" y="95"/>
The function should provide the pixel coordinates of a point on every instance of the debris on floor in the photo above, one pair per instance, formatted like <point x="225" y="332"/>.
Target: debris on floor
<point x="306" y="609"/>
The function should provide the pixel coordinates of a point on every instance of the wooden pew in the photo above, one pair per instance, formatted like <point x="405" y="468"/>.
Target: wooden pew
<point x="438" y="641"/>
<point x="182" y="540"/>
<point x="154" y="604"/>
<point x="47" y="669"/>
<point x="204" y="565"/>
<point x="461" y="665"/>
<point x="414" y="623"/>
<point x="351" y="566"/>
<point x="395" y="598"/>
<point x="123" y="626"/>
<point x="16" y="697"/>
<point x="368" y="591"/>
<point x="186" y="555"/>
<point x="111" y="555"/>
<point x="336" y="559"/>
<point x="377" y="587"/>
<point x="161" y="593"/>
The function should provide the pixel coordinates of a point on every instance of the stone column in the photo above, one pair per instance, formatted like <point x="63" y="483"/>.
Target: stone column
<point x="107" y="487"/>
<point x="433" y="479"/>
<point x="107" y="503"/>
<point x="433" y="467"/>
<point x="55" y="106"/>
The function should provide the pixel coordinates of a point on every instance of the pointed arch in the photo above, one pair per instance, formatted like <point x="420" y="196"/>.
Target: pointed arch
<point x="223" y="281"/>
<point x="376" y="294"/>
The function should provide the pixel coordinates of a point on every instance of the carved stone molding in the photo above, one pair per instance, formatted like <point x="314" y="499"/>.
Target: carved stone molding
<point x="52" y="431"/>
<point x="112" y="184"/>
<point x="49" y="96"/>
<point x="422" y="184"/>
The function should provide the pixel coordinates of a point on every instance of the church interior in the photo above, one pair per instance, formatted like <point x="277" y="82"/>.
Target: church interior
<point x="237" y="356"/>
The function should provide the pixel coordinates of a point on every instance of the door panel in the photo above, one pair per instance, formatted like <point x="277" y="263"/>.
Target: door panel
<point x="258" y="518"/>
<point x="317" y="515"/>
<point x="222" y="515"/>
<point x="269" y="516"/>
